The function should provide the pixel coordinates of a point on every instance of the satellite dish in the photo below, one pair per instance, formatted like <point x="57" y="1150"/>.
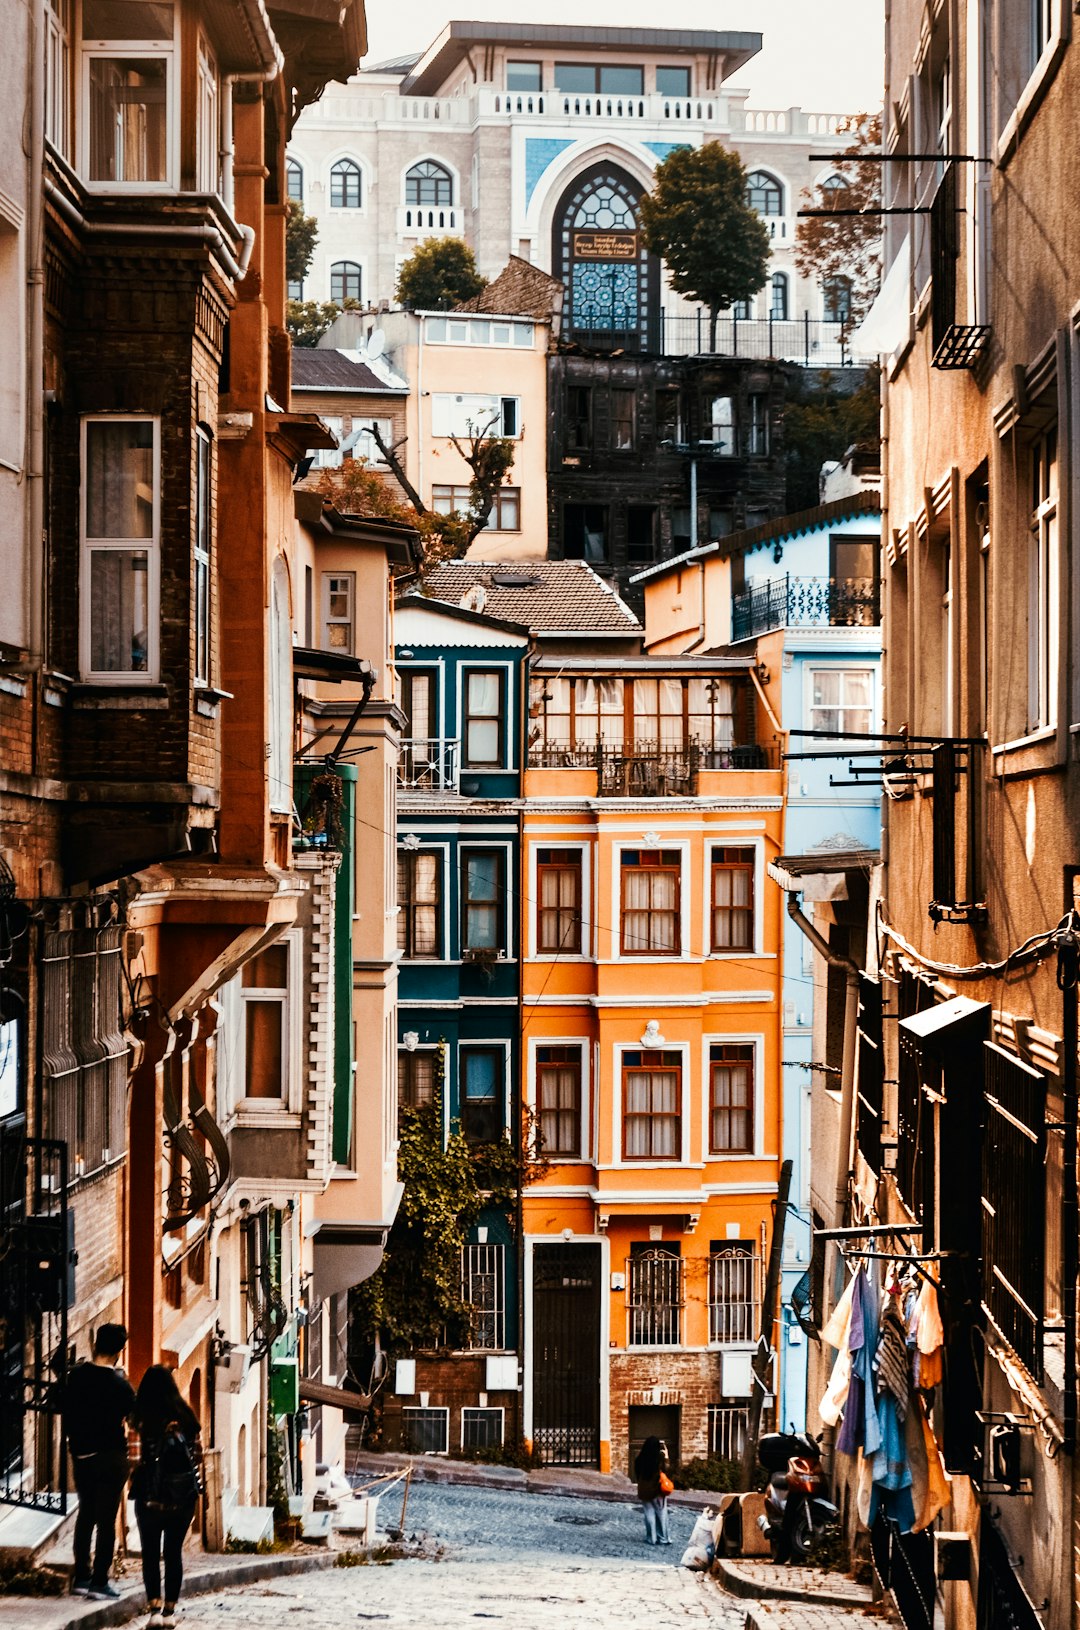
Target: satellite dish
<point x="376" y="344"/>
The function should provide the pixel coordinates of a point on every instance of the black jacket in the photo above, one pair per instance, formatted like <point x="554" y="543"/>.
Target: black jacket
<point x="97" y="1401"/>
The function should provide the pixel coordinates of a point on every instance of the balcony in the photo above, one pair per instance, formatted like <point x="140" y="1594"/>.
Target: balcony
<point x="603" y="107"/>
<point x="806" y="602"/>
<point x="648" y="771"/>
<point x="428" y="765"/>
<point x="429" y="220"/>
<point x="814" y="342"/>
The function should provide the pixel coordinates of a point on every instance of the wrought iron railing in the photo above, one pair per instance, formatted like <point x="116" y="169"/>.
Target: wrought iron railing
<point x="727" y="1431"/>
<point x="733" y="1299"/>
<point x="647" y="771"/>
<point x="809" y="340"/>
<point x="654" y="1299"/>
<point x="428" y="764"/>
<point x="806" y="602"/>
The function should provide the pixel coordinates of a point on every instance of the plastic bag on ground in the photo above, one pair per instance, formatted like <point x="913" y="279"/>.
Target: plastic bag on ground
<point x="700" y="1550"/>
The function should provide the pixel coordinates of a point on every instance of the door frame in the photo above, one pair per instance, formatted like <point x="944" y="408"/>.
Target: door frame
<point x="531" y="1241"/>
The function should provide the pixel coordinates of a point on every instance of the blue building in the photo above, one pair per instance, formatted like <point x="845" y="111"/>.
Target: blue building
<point x="461" y="679"/>
<point x="806" y="591"/>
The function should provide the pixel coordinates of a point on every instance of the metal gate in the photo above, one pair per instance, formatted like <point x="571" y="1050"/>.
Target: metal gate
<point x="905" y="1565"/>
<point x="566" y="1354"/>
<point x="36" y="1248"/>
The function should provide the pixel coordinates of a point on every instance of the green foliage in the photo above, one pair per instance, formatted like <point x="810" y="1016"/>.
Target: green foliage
<point x="301" y="236"/>
<point x="823" y="417"/>
<point x="720" y="1476"/>
<point x="307" y="320"/>
<point x="439" y="274"/>
<point x="831" y="1552"/>
<point x="276" y="1492"/>
<point x="697" y="218"/>
<point x="18" y="1579"/>
<point x="507" y="1454"/>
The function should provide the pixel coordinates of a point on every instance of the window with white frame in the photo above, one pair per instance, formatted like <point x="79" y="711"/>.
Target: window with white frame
<point x="481" y="1428"/>
<point x="483" y="905"/>
<point x="650" y="917"/>
<point x="345" y="184"/>
<point x="364" y="445"/>
<point x="842" y="700"/>
<point x="483" y="1274"/>
<point x="1043" y="582"/>
<point x="475" y="415"/>
<point x="259" y="1013"/>
<point x="419" y="902"/>
<point x="722" y="424"/>
<point x="120" y="509"/>
<point x="485" y="731"/>
<point x="731" y="1098"/>
<point x="495" y="331"/>
<point x="329" y="458"/>
<point x="429" y="183"/>
<point x="338" y="611"/>
<point x="201" y="555"/>
<point x="58" y="75"/>
<point x="505" y="513"/>
<point x="294" y="181"/>
<point x="425" y="1431"/>
<point x="208" y="127"/>
<point x="558" y="902"/>
<point x="778" y="296"/>
<point x="129" y="92"/>
<point x="764" y="193"/>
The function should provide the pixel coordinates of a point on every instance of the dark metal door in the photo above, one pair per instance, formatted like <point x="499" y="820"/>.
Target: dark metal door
<point x="566" y="1354"/>
<point x="35" y="1291"/>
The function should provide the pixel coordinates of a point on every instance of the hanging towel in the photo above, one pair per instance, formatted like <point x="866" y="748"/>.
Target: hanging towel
<point x="861" y="1428"/>
<point x="890" y="1469"/>
<point x="929" y="1338"/>
<point x="835" y="1333"/>
<point x="938" y="1482"/>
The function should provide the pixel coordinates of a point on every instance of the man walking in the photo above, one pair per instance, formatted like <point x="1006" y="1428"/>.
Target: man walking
<point x="98" y="1398"/>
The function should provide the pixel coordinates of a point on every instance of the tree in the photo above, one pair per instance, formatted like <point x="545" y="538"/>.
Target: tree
<point x="356" y="489"/>
<point x="697" y="217"/>
<point x="846" y="246"/>
<point x="308" y="320"/>
<point x="301" y="236"/>
<point x="823" y="417"/>
<point x="439" y="274"/>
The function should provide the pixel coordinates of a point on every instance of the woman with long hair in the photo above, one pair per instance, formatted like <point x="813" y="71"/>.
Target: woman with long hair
<point x="166" y="1485"/>
<point x="651" y="1469"/>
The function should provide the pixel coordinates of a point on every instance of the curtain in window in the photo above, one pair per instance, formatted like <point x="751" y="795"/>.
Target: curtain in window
<point x="733" y="915"/>
<point x="711" y="708"/>
<point x="599" y="712"/>
<point x="482" y="902"/>
<point x="425" y="905"/>
<point x="127" y="119"/>
<point x="483" y="707"/>
<point x="549" y="712"/>
<point x="732" y="1107"/>
<point x="650" y="917"/>
<point x="651" y="1114"/>
<point x="119" y="611"/>
<point x="559" y="1108"/>
<point x="658" y="714"/>
<point x="559" y="907"/>
<point x="119" y="479"/>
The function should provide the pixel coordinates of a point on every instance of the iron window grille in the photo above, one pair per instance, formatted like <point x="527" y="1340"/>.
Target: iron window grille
<point x="1014" y="1203"/>
<point x="734" y="1304"/>
<point x="482" y="1428"/>
<point x="84" y="1054"/>
<point x="483" y="1283"/>
<point x="558" y="1099"/>
<point x="425" y="1431"/>
<point x="654" y="1297"/>
<point x="558" y="909"/>
<point x="727" y="1427"/>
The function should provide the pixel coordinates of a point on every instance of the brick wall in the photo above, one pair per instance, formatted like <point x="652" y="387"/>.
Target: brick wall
<point x="690" y="1381"/>
<point x="455" y="1381"/>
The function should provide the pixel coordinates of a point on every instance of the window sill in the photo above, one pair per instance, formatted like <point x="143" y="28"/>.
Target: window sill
<point x="1029" y="755"/>
<point x="131" y="694"/>
<point x="741" y="956"/>
<point x="207" y="698"/>
<point x="249" y="1116"/>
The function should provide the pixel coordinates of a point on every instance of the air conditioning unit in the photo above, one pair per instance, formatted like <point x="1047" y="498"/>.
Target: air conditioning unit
<point x="232" y="1368"/>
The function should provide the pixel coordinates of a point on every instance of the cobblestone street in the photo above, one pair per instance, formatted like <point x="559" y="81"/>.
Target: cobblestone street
<point x="524" y="1560"/>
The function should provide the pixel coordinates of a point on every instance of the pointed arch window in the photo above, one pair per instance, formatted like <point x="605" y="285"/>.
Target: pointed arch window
<point x="345" y="185"/>
<point x="429" y="183"/>
<point x="604" y="262"/>
<point x="778" y="296"/>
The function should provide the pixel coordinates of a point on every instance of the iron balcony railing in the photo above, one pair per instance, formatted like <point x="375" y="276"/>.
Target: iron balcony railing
<point x="428" y="764"/>
<point x="649" y="772"/>
<point x="810" y="340"/>
<point x="806" y="602"/>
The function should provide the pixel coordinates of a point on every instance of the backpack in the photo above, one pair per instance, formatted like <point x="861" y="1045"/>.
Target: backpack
<point x="170" y="1472"/>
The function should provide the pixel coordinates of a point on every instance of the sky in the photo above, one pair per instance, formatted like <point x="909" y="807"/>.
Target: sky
<point x="822" y="55"/>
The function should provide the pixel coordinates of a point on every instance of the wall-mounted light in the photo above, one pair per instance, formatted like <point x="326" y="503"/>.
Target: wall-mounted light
<point x="777" y="553"/>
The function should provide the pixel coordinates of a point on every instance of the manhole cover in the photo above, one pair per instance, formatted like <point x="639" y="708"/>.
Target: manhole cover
<point x="581" y="1522"/>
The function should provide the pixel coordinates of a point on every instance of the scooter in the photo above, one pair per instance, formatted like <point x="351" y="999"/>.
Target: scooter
<point x="797" y="1507"/>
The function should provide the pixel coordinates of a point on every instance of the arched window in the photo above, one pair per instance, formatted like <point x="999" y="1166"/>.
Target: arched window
<point x="294" y="181"/>
<point x="778" y="295"/>
<point x="837" y="299"/>
<point x="611" y="280"/>
<point x="764" y="193"/>
<point x="345" y="185"/>
<point x="344" y="281"/>
<point x="832" y="191"/>
<point x="429" y="183"/>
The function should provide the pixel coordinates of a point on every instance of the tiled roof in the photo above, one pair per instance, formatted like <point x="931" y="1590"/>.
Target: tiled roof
<point x="520" y="290"/>
<point x="317" y="369"/>
<point x="547" y="596"/>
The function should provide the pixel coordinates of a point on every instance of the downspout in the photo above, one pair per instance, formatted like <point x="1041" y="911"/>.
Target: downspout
<point x="847" y="1073"/>
<point x="237" y="269"/>
<point x="35" y="349"/>
<point x="1068" y="970"/>
<point x="420" y="409"/>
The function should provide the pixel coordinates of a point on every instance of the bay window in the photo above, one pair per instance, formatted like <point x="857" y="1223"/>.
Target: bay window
<point x="259" y="1013"/>
<point x="120" y="522"/>
<point x="129" y="92"/>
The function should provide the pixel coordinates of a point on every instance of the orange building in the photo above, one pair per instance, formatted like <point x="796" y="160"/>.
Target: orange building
<point x="651" y="1038"/>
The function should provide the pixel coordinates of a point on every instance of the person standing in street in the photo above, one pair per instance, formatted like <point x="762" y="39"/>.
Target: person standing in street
<point x="97" y="1400"/>
<point x="653" y="1486"/>
<point x="165" y="1485"/>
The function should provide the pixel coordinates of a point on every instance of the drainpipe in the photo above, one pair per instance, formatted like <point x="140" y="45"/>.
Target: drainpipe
<point x="847" y="1076"/>
<point x="1067" y="978"/>
<point x="35" y="349"/>
<point x="693" y="502"/>
<point x="213" y="235"/>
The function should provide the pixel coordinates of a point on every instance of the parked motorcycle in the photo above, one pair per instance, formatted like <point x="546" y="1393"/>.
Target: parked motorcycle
<point x="797" y="1507"/>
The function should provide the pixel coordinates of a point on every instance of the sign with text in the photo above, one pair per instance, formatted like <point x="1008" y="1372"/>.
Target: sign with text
<point x="605" y="245"/>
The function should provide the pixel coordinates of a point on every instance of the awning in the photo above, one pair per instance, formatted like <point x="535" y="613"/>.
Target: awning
<point x="344" y="1258"/>
<point x="885" y="327"/>
<point x="313" y="1392"/>
<point x="946" y="1025"/>
<point x="821" y="875"/>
